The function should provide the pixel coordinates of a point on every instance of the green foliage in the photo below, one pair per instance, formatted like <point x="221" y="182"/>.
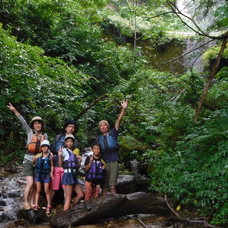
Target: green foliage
<point x="36" y="85"/>
<point x="212" y="53"/>
<point x="194" y="172"/>
<point x="75" y="63"/>
<point x="221" y="16"/>
<point x="149" y="19"/>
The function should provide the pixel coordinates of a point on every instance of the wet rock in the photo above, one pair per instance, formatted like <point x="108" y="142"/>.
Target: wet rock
<point x="127" y="184"/>
<point x="33" y="217"/>
<point x="14" y="194"/>
<point x="2" y="217"/>
<point x="18" y="223"/>
<point x="2" y="203"/>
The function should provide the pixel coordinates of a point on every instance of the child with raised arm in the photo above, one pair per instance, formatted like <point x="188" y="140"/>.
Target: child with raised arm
<point x="95" y="171"/>
<point x="44" y="172"/>
<point x="108" y="141"/>
<point x="70" y="163"/>
<point x="34" y="137"/>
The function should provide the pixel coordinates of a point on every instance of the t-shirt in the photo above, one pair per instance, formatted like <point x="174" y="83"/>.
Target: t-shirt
<point x="109" y="146"/>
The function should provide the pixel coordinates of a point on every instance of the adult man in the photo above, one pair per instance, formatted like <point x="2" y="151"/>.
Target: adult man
<point x="109" y="150"/>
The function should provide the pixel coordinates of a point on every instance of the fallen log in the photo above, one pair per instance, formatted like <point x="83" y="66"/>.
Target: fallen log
<point x="110" y="206"/>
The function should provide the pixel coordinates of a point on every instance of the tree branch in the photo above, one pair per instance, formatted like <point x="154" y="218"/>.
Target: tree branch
<point x="89" y="107"/>
<point x="173" y="60"/>
<point x="213" y="73"/>
<point x="199" y="31"/>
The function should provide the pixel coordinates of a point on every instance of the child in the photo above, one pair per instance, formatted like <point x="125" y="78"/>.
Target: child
<point x="34" y="136"/>
<point x="70" y="163"/>
<point x="44" y="172"/>
<point x="70" y="127"/>
<point x="95" y="170"/>
<point x="108" y="141"/>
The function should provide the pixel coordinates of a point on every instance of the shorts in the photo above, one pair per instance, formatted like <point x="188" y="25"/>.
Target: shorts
<point x="57" y="178"/>
<point x="69" y="179"/>
<point x="112" y="172"/>
<point x="42" y="178"/>
<point x="28" y="168"/>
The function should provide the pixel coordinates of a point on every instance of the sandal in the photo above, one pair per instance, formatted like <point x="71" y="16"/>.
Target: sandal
<point x="48" y="210"/>
<point x="35" y="207"/>
<point x="26" y="207"/>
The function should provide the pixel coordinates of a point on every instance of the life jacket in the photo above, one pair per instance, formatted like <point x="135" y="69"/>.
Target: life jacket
<point x="71" y="164"/>
<point x="34" y="146"/>
<point x="108" y="143"/>
<point x="95" y="172"/>
<point x="43" y="165"/>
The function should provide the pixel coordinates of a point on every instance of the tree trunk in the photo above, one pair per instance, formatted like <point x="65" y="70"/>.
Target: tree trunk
<point x="213" y="73"/>
<point x="109" y="207"/>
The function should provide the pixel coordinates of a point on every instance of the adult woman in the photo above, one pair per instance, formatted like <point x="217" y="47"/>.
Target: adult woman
<point x="34" y="137"/>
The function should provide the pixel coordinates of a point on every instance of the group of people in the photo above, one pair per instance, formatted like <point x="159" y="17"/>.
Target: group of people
<point x="55" y="166"/>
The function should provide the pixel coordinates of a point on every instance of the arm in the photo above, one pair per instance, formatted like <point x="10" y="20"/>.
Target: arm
<point x="124" y="105"/>
<point x="10" y="106"/>
<point x="19" y="116"/>
<point x="52" y="167"/>
<point x="87" y="167"/>
<point x="60" y="152"/>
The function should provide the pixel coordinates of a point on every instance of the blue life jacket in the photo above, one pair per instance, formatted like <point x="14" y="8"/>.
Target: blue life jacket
<point x="43" y="165"/>
<point x="72" y="163"/>
<point x="95" y="172"/>
<point x="59" y="143"/>
<point x="110" y="146"/>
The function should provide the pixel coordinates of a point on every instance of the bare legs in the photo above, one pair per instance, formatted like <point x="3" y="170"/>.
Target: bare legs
<point x="38" y="190"/>
<point x="29" y="192"/>
<point x="79" y="193"/>
<point x="68" y="192"/>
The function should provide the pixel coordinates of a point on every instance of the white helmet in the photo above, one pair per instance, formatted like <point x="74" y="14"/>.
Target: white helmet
<point x="67" y="136"/>
<point x="45" y="143"/>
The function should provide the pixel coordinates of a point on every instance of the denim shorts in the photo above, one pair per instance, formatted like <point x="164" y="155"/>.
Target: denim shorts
<point x="69" y="179"/>
<point x="42" y="178"/>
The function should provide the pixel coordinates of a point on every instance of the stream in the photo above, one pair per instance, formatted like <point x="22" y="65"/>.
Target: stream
<point x="11" y="202"/>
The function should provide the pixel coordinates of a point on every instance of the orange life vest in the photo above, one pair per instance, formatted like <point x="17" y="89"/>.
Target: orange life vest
<point x="34" y="146"/>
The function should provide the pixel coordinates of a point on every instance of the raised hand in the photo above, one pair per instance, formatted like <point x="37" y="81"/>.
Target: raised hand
<point x="60" y="151"/>
<point x="124" y="103"/>
<point x="10" y="106"/>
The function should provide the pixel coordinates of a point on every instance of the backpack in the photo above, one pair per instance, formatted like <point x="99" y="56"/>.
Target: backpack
<point x="88" y="153"/>
<point x="34" y="146"/>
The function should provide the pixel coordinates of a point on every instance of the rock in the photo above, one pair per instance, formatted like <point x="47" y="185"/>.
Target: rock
<point x="2" y="217"/>
<point x="2" y="203"/>
<point x="14" y="193"/>
<point x="108" y="207"/>
<point x="18" y="223"/>
<point x="33" y="217"/>
<point x="127" y="184"/>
